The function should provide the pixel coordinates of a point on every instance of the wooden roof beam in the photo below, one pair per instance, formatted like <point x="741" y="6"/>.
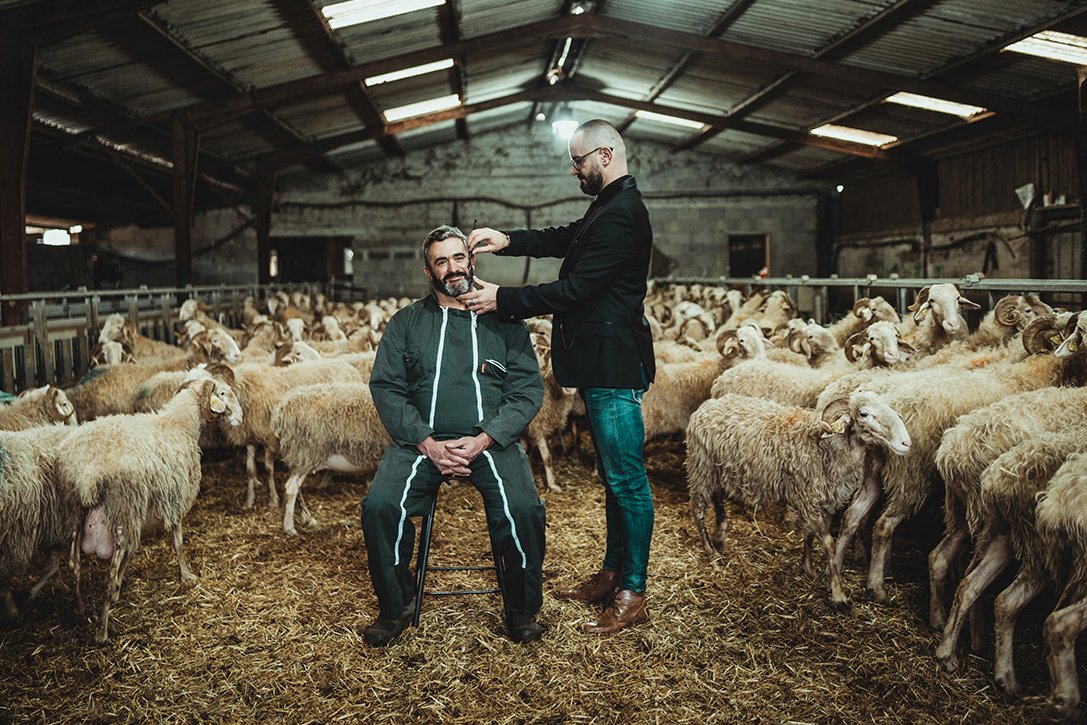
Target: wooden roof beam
<point x="672" y="75"/>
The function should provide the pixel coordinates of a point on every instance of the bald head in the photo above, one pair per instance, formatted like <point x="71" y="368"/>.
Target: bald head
<point x="598" y="155"/>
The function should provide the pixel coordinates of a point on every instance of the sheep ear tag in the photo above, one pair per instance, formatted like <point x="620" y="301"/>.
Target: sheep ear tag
<point x="838" y="426"/>
<point x="216" y="405"/>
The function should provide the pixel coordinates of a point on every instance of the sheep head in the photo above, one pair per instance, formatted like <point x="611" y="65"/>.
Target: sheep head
<point x="751" y="340"/>
<point x="292" y="352"/>
<point x="188" y="310"/>
<point x="112" y="328"/>
<point x="870" y="418"/>
<point x="797" y="341"/>
<point x="1074" y="332"/>
<point x="216" y="400"/>
<point x="945" y="302"/>
<point x="728" y="345"/>
<point x="59" y="407"/>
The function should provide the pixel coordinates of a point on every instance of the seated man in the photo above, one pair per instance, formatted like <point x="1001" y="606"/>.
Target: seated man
<point x="455" y="391"/>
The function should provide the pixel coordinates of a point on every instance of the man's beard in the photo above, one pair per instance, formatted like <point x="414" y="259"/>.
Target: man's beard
<point x="456" y="286"/>
<point x="592" y="183"/>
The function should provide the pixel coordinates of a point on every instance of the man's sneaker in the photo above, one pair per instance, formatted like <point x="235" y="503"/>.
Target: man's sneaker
<point x="383" y="630"/>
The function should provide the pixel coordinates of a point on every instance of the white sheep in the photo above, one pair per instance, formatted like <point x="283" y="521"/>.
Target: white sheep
<point x="38" y="515"/>
<point x="937" y="317"/>
<point x="754" y="451"/>
<point x="930" y="402"/>
<point x="126" y="468"/>
<point x="332" y="426"/>
<point x="1062" y="527"/>
<point x="1009" y="489"/>
<point x="36" y="407"/>
<point x="260" y="387"/>
<point x="968" y="448"/>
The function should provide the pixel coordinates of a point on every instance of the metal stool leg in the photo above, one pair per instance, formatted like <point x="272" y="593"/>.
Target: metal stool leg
<point x="422" y="558"/>
<point x="423" y="567"/>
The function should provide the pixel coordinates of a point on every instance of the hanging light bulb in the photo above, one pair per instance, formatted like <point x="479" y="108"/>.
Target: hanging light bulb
<point x="564" y="124"/>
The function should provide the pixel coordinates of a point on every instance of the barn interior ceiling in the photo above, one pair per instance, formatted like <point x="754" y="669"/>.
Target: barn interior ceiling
<point x="294" y="87"/>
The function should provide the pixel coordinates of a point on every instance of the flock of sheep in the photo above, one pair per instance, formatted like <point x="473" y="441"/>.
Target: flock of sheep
<point x="865" y="418"/>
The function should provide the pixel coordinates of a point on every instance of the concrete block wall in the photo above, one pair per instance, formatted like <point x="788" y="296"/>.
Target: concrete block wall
<point x="521" y="176"/>
<point x="504" y="179"/>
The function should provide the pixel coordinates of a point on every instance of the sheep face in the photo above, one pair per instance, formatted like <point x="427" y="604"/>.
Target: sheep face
<point x="188" y="310"/>
<point x="61" y="410"/>
<point x="112" y="328"/>
<point x="944" y="301"/>
<point x="221" y="401"/>
<point x="224" y="346"/>
<point x="820" y="339"/>
<point x="1073" y="342"/>
<point x="884" y="345"/>
<point x="751" y="341"/>
<point x="874" y="422"/>
<point x="296" y="326"/>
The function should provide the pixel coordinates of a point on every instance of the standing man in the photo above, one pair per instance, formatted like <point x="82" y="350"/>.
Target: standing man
<point x="455" y="391"/>
<point x="601" y="343"/>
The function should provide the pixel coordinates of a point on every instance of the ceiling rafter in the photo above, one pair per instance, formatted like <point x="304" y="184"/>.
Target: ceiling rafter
<point x="361" y="100"/>
<point x="861" y="33"/>
<point x="730" y="16"/>
<point x="449" y="32"/>
<point x="587" y="25"/>
<point x="571" y="91"/>
<point x="49" y="22"/>
<point x="778" y="149"/>
<point x="166" y="31"/>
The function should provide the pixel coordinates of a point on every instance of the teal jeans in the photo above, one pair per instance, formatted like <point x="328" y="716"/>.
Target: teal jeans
<point x="618" y="431"/>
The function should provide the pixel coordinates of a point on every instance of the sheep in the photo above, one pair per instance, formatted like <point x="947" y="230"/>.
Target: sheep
<point x="945" y="323"/>
<point x="754" y="451"/>
<point x="110" y="352"/>
<point x="260" y="387"/>
<point x="1010" y="314"/>
<point x="749" y="309"/>
<point x="1009" y="487"/>
<point x="931" y="401"/>
<point x="966" y="451"/>
<point x="36" y="407"/>
<point x="1074" y="334"/>
<point x="776" y="311"/>
<point x="111" y="390"/>
<point x="328" y="426"/>
<point x="125" y="468"/>
<point x="865" y="311"/>
<point x="1062" y="528"/>
<point x="558" y="403"/>
<point x="37" y="514"/>
<point x="144" y="349"/>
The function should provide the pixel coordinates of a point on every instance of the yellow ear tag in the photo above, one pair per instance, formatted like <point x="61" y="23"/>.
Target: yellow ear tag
<point x="922" y="313"/>
<point x="1072" y="346"/>
<point x="839" y="426"/>
<point x="1056" y="339"/>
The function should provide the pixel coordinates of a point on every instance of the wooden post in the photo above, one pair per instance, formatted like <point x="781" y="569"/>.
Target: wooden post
<point x="928" y="194"/>
<point x="18" y="69"/>
<point x="266" y="189"/>
<point x="186" y="148"/>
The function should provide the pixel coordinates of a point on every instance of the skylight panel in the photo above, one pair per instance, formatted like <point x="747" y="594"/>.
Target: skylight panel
<point x="355" y="12"/>
<point x="662" y="118"/>
<point x="421" y="108"/>
<point x="1050" y="44"/>
<point x="853" y="135"/>
<point x="417" y="70"/>
<point x="939" y="105"/>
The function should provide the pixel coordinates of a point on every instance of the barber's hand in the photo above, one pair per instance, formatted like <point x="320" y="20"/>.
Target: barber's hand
<point x="438" y="453"/>
<point x="464" y="450"/>
<point x="483" y="298"/>
<point x="487" y="240"/>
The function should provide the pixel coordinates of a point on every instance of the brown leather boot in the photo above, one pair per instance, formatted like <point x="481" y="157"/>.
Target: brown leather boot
<point x="598" y="590"/>
<point x="627" y="609"/>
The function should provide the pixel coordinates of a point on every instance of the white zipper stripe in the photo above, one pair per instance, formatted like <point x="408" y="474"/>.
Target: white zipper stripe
<point x="475" y="369"/>
<point x="497" y="364"/>
<point x="438" y="366"/>
<point x="506" y="509"/>
<point x="404" y="511"/>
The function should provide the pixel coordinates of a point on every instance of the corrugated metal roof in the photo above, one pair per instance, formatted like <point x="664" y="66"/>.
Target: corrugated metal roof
<point x="122" y="75"/>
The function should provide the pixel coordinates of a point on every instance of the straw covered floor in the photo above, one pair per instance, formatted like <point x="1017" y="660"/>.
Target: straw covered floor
<point x="272" y="630"/>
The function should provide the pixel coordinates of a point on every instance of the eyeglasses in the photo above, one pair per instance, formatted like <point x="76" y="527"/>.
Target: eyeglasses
<point x="575" y="161"/>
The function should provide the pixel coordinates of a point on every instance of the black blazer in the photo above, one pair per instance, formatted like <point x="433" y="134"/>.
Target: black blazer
<point x="600" y="337"/>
